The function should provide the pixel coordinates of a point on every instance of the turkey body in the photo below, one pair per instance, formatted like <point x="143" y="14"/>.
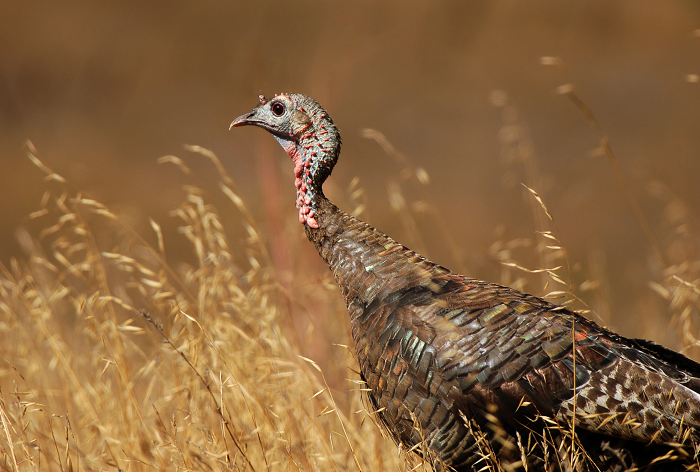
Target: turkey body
<point x="451" y="361"/>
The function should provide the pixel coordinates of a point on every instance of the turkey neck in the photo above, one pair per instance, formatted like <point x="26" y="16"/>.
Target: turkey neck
<point x="365" y="262"/>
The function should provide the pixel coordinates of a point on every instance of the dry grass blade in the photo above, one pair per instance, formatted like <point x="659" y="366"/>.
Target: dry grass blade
<point x="213" y="158"/>
<point x="539" y="200"/>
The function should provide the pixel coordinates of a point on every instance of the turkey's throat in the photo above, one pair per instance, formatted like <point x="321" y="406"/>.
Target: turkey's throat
<point x="307" y="193"/>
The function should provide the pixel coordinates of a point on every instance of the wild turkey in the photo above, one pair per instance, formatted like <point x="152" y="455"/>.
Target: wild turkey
<point x="447" y="357"/>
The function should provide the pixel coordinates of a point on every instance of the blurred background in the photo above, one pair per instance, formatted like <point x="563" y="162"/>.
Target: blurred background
<point x="461" y="94"/>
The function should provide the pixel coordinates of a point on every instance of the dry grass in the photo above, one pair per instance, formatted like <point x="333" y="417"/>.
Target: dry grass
<point x="115" y="359"/>
<point x="206" y="378"/>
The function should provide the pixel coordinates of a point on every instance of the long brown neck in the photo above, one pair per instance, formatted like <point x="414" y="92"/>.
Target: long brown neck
<point x="364" y="261"/>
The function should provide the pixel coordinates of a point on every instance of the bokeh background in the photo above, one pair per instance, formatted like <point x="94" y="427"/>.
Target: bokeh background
<point x="460" y="89"/>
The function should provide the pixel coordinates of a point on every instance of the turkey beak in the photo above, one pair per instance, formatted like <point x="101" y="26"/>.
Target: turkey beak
<point x="242" y="120"/>
<point x="245" y="119"/>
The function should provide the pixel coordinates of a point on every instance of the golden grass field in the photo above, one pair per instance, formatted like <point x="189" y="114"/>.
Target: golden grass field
<point x="114" y="358"/>
<point x="157" y="314"/>
<point x="207" y="378"/>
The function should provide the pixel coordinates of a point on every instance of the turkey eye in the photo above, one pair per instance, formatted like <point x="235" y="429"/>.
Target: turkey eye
<point x="278" y="109"/>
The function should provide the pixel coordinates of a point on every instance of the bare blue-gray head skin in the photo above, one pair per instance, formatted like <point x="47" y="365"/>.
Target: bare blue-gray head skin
<point x="308" y="135"/>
